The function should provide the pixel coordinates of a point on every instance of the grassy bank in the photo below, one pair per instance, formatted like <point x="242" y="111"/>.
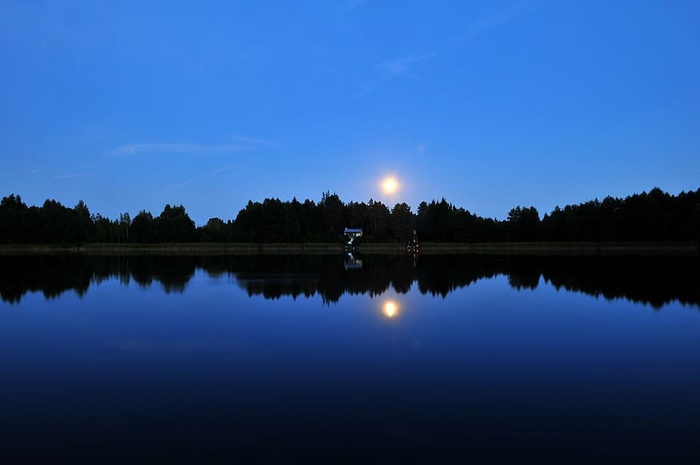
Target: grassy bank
<point x="203" y="248"/>
<point x="502" y="248"/>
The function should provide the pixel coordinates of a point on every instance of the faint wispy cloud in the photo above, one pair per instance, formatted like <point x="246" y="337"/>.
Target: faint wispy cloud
<point x="183" y="148"/>
<point x="400" y="67"/>
<point x="253" y="141"/>
<point x="391" y="69"/>
<point x="348" y="5"/>
<point x="403" y="67"/>
<point x="71" y="176"/>
<point x="493" y="21"/>
<point x="197" y="178"/>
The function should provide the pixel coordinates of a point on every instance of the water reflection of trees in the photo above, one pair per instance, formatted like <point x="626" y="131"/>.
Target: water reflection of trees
<point x="653" y="280"/>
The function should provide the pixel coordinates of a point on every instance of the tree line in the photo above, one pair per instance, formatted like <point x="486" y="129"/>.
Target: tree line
<point x="656" y="280"/>
<point x="648" y="216"/>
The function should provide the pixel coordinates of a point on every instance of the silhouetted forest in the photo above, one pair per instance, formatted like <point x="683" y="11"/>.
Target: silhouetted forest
<point x="655" y="281"/>
<point x="649" y="216"/>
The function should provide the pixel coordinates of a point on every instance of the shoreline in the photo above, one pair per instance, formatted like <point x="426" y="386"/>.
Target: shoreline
<point x="428" y="248"/>
<point x="194" y="248"/>
<point x="547" y="248"/>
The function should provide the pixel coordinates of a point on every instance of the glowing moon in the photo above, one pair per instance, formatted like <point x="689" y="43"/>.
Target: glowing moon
<point x="390" y="185"/>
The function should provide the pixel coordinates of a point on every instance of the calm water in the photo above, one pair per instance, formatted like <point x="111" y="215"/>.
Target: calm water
<point x="323" y="359"/>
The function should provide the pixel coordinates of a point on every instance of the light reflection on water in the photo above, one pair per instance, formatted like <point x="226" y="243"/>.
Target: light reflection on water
<point x="196" y="360"/>
<point x="390" y="308"/>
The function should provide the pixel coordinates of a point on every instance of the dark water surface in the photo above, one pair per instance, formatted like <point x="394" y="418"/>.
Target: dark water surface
<point x="323" y="359"/>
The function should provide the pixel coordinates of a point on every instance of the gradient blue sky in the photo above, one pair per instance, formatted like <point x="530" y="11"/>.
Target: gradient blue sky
<point x="130" y="105"/>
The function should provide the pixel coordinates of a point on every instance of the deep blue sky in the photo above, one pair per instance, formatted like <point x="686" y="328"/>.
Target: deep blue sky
<point x="130" y="105"/>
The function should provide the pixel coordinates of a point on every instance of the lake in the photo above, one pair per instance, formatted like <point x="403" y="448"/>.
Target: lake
<point x="349" y="359"/>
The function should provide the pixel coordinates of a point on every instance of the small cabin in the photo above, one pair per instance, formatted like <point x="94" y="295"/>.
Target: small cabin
<point x="352" y="233"/>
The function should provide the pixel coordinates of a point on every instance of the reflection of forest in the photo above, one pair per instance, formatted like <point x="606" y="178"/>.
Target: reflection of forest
<point x="654" y="280"/>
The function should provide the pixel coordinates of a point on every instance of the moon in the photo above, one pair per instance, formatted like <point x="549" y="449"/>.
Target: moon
<point x="390" y="185"/>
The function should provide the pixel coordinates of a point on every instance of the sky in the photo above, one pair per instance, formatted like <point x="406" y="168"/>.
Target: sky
<point x="489" y="104"/>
